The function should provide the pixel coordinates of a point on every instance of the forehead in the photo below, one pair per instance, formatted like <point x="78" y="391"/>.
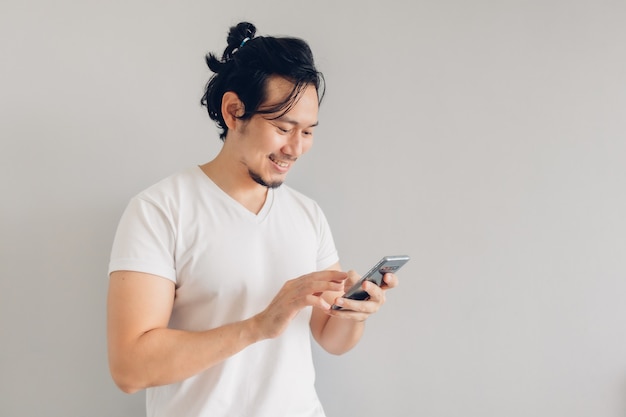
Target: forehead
<point x="279" y="87"/>
<point x="278" y="95"/>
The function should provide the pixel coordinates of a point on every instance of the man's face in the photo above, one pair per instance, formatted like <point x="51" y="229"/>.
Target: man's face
<point x="269" y="147"/>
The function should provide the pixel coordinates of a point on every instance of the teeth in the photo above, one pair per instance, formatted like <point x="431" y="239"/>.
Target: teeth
<point x="279" y="163"/>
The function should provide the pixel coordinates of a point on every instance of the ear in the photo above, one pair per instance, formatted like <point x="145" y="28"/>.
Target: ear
<point x="232" y="108"/>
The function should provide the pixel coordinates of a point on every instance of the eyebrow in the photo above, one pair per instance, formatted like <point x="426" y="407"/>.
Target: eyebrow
<point x="285" y="119"/>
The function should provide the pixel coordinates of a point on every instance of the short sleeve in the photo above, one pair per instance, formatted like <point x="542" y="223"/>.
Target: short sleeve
<point x="145" y="240"/>
<point x="327" y="252"/>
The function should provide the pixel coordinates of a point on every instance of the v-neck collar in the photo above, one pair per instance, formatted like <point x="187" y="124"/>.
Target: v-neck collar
<point x="259" y="217"/>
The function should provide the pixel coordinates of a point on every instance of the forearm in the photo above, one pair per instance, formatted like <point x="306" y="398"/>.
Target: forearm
<point x="337" y="335"/>
<point x="163" y="356"/>
<point x="144" y="352"/>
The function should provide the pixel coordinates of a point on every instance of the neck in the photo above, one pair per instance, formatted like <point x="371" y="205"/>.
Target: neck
<point x="237" y="185"/>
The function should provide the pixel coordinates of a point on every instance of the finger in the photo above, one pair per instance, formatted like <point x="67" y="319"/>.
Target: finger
<point x="327" y="275"/>
<point x="375" y="292"/>
<point x="389" y="281"/>
<point x="358" y="306"/>
<point x="346" y="313"/>
<point x="317" y="282"/>
<point x="352" y="278"/>
<point x="317" y="301"/>
<point x="318" y="287"/>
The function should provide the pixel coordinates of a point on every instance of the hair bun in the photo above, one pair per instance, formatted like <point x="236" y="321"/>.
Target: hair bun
<point x="237" y="34"/>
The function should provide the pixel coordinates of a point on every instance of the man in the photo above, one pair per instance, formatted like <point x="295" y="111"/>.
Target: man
<point x="219" y="274"/>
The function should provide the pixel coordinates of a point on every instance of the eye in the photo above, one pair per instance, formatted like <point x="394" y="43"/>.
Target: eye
<point x="282" y="129"/>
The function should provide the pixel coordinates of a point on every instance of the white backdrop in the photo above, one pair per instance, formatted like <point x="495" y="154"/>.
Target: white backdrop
<point x="486" y="139"/>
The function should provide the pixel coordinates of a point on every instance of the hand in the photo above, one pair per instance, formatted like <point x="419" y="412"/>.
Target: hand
<point x="296" y="294"/>
<point x="360" y="310"/>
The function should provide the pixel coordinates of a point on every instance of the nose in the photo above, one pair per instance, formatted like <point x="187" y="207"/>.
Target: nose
<point x="293" y="147"/>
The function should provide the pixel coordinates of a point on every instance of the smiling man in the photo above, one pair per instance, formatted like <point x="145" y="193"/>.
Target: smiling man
<point x="219" y="274"/>
<point x="263" y="148"/>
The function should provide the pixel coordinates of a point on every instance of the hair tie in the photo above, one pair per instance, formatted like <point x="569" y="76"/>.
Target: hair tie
<point x="243" y="42"/>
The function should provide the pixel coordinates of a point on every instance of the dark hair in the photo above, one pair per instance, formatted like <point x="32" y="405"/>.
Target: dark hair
<point x="246" y="65"/>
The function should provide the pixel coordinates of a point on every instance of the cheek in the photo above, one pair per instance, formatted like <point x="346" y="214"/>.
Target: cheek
<point x="306" y="145"/>
<point x="266" y="142"/>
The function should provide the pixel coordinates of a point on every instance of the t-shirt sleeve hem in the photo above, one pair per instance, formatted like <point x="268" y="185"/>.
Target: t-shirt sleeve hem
<point x="142" y="266"/>
<point x="327" y="261"/>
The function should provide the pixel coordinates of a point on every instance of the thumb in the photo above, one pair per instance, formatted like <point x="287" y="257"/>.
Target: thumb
<point x="353" y="278"/>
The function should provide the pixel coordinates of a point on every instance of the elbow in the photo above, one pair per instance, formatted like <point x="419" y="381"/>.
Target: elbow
<point x="125" y="385"/>
<point x="124" y="379"/>
<point x="335" y="347"/>
<point x="337" y="350"/>
<point x="127" y="389"/>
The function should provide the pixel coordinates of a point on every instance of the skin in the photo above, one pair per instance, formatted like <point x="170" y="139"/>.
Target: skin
<point x="144" y="352"/>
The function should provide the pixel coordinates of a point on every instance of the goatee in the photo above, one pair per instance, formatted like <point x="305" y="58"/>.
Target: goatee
<point x="257" y="178"/>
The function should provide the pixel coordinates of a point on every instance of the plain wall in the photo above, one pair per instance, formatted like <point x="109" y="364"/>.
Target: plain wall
<point x="485" y="139"/>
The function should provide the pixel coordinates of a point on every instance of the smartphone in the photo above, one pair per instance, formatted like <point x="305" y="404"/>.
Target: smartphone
<point x="389" y="264"/>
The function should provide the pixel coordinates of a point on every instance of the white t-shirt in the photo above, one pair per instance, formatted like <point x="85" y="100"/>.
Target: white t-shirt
<point x="228" y="264"/>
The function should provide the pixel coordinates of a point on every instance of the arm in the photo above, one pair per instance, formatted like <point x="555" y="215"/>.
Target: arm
<point x="144" y="352"/>
<point x="338" y="331"/>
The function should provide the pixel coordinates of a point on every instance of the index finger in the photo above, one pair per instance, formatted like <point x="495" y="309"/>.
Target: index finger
<point x="328" y="275"/>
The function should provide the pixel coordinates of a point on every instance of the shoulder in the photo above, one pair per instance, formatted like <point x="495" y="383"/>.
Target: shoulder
<point x="173" y="187"/>
<point x="290" y="195"/>
<point x="295" y="202"/>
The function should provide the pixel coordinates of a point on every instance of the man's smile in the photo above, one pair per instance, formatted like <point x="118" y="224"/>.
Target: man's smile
<point x="281" y="163"/>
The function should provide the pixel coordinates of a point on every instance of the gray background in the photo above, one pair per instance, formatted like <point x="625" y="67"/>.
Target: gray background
<point x="485" y="139"/>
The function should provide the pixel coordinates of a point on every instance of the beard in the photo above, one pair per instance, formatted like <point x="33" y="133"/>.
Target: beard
<point x="259" y="180"/>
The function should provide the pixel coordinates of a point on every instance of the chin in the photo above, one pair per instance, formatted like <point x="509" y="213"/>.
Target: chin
<point x="274" y="184"/>
<point x="259" y="180"/>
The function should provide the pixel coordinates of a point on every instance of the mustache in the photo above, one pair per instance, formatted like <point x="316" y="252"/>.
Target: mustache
<point x="284" y="157"/>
